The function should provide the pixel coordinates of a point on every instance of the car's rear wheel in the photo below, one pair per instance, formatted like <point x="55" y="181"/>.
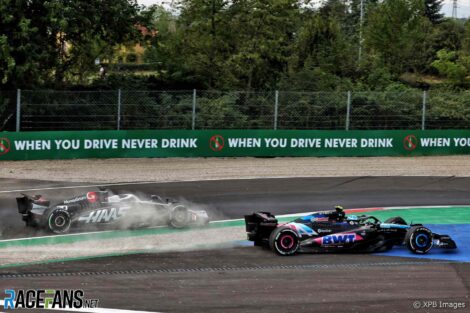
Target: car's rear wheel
<point x="396" y="220"/>
<point x="284" y="241"/>
<point x="59" y="221"/>
<point x="419" y="239"/>
<point x="179" y="217"/>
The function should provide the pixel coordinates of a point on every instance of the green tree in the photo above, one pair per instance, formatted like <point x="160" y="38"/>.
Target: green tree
<point x="449" y="34"/>
<point x="262" y="41"/>
<point x="453" y="66"/>
<point x="324" y="51"/>
<point x="26" y="49"/>
<point x="204" y="39"/>
<point x="44" y="40"/>
<point x="162" y="22"/>
<point x="398" y="32"/>
<point x="236" y="44"/>
<point x="465" y="41"/>
<point x="432" y="10"/>
<point x="164" y="50"/>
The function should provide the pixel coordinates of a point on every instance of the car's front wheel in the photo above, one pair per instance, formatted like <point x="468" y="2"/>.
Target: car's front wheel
<point x="419" y="239"/>
<point x="179" y="217"/>
<point x="284" y="241"/>
<point x="59" y="221"/>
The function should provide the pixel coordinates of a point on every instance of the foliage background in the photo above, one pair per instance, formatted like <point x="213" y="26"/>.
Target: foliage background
<point x="245" y="45"/>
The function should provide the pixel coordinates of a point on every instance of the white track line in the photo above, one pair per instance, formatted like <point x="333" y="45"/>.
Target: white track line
<point x="172" y="181"/>
<point x="148" y="182"/>
<point x="77" y="186"/>
<point x="94" y="310"/>
<point x="422" y="206"/>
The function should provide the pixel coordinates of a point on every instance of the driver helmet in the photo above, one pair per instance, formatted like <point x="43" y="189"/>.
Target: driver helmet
<point x="339" y="213"/>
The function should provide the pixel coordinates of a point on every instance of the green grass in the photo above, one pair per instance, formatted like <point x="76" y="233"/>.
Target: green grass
<point x="452" y="215"/>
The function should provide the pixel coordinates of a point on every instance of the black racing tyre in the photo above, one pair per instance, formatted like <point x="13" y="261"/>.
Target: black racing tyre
<point x="284" y="241"/>
<point x="59" y="221"/>
<point x="396" y="220"/>
<point x="419" y="239"/>
<point x="179" y="217"/>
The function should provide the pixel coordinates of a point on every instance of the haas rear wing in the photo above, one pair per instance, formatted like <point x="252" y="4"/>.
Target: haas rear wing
<point x="27" y="203"/>
<point x="24" y="204"/>
<point x="259" y="227"/>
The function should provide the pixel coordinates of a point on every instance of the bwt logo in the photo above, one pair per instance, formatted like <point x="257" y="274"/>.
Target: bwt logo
<point x="47" y="299"/>
<point x="338" y="239"/>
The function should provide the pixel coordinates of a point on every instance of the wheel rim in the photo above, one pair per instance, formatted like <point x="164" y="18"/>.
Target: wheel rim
<point x="59" y="221"/>
<point x="287" y="241"/>
<point x="422" y="240"/>
<point x="180" y="216"/>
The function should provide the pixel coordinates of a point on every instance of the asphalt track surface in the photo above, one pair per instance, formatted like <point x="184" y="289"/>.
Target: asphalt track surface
<point x="249" y="279"/>
<point x="234" y="198"/>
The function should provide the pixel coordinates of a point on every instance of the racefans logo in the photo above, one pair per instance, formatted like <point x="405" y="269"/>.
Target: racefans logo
<point x="47" y="299"/>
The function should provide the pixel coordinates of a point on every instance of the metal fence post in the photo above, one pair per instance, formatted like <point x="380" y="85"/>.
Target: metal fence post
<point x="193" y="123"/>
<point x="119" y="110"/>
<point x="348" y="111"/>
<point x="276" y="108"/>
<point x="423" y="117"/>
<point x="18" y="110"/>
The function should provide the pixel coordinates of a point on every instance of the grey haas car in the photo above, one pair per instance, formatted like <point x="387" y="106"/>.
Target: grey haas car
<point x="102" y="209"/>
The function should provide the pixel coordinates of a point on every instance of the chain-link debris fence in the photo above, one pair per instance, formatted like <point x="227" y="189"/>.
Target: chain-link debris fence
<point x="195" y="109"/>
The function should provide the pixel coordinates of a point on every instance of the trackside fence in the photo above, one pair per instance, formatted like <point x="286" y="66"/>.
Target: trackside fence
<point x="39" y="110"/>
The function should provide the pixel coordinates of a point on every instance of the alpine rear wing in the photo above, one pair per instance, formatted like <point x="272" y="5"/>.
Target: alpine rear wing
<point x="259" y="226"/>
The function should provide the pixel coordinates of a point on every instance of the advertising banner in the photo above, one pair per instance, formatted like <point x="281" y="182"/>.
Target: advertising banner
<point x="230" y="143"/>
